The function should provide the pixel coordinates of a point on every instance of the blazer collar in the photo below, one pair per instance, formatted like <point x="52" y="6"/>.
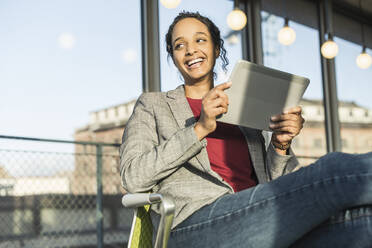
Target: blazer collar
<point x="177" y="93"/>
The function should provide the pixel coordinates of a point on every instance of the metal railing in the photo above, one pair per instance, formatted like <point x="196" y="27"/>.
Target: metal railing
<point x="54" y="199"/>
<point x="50" y="198"/>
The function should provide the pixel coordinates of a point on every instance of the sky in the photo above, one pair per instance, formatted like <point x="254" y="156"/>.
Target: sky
<point x="62" y="59"/>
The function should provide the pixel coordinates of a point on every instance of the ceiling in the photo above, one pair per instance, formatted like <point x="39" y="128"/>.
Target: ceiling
<point x="360" y="10"/>
<point x="365" y="4"/>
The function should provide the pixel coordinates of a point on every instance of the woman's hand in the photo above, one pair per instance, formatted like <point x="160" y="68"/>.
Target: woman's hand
<point x="214" y="103"/>
<point x="285" y="127"/>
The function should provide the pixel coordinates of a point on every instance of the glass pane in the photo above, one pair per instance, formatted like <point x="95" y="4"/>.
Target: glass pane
<point x="61" y="60"/>
<point x="170" y="77"/>
<point x="354" y="87"/>
<point x="302" y="58"/>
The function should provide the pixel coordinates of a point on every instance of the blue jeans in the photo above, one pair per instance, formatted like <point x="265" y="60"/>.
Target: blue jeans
<point x="327" y="204"/>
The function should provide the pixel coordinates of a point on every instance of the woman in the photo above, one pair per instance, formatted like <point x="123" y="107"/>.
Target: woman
<point x="221" y="176"/>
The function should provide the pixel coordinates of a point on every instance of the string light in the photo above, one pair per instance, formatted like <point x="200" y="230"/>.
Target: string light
<point x="364" y="60"/>
<point x="170" y="4"/>
<point x="236" y="19"/>
<point x="329" y="48"/>
<point x="286" y="35"/>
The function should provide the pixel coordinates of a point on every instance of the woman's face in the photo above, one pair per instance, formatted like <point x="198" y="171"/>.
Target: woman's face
<point x="193" y="51"/>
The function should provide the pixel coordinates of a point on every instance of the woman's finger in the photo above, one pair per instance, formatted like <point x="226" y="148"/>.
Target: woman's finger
<point x="283" y="138"/>
<point x="284" y="117"/>
<point x="219" y="110"/>
<point x="223" y="86"/>
<point x="216" y="93"/>
<point x="213" y="103"/>
<point x="212" y="107"/>
<point x="293" y="131"/>
<point x="295" y="110"/>
<point x="290" y="123"/>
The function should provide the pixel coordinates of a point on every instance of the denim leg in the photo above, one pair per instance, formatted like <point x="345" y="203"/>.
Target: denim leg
<point x="278" y="213"/>
<point x="351" y="228"/>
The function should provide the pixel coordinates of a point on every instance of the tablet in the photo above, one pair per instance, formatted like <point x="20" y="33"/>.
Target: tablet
<point x="258" y="92"/>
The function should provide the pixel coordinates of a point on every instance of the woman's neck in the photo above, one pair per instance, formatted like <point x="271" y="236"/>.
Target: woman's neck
<point x="197" y="90"/>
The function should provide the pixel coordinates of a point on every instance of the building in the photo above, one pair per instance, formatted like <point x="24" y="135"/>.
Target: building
<point x="107" y="125"/>
<point x="35" y="185"/>
<point x="356" y="130"/>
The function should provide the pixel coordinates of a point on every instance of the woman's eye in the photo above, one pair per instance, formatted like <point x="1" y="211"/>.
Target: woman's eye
<point x="200" y="40"/>
<point x="178" y="46"/>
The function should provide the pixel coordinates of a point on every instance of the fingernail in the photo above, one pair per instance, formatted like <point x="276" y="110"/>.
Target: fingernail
<point x="272" y="125"/>
<point x="273" y="118"/>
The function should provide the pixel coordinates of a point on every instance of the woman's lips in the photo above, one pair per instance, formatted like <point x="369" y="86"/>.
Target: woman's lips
<point x="194" y="63"/>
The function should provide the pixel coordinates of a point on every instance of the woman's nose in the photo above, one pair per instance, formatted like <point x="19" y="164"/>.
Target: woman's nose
<point x="190" y="50"/>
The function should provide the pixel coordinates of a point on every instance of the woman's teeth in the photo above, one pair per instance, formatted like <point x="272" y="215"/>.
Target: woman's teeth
<point x="194" y="63"/>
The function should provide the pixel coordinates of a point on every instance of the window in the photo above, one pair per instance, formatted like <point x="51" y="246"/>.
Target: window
<point x="318" y="143"/>
<point x="301" y="58"/>
<point x="353" y="85"/>
<point x="296" y="143"/>
<point x="60" y="61"/>
<point x="54" y="73"/>
<point x="344" y="143"/>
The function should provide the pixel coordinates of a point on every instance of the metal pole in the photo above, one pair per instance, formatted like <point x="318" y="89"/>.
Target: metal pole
<point x="330" y="101"/>
<point x="58" y="141"/>
<point x="99" y="209"/>
<point x="251" y="34"/>
<point x="150" y="46"/>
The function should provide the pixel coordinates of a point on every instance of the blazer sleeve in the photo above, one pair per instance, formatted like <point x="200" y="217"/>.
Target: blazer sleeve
<point x="277" y="164"/>
<point x="143" y="161"/>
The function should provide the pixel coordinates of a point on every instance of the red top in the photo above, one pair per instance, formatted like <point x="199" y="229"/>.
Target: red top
<point x="228" y="152"/>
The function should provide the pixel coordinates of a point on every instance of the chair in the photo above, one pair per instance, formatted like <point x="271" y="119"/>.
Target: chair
<point x="142" y="229"/>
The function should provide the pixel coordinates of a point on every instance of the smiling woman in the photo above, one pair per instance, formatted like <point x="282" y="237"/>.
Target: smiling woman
<point x="195" y="42"/>
<point x="170" y="75"/>
<point x="194" y="52"/>
<point x="227" y="186"/>
<point x="194" y="48"/>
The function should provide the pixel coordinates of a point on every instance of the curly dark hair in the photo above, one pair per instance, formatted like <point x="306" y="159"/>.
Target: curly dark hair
<point x="212" y="28"/>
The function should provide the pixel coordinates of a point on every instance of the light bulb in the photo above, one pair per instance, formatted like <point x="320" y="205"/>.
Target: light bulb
<point x="233" y="39"/>
<point x="364" y="60"/>
<point x="236" y="19"/>
<point x="329" y="49"/>
<point x="286" y="35"/>
<point x="67" y="40"/>
<point x="170" y="4"/>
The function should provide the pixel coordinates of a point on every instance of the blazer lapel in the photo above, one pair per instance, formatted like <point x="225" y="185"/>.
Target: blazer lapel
<point x="182" y="112"/>
<point x="180" y="107"/>
<point x="252" y="136"/>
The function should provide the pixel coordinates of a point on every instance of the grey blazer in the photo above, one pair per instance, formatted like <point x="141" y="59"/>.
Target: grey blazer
<point x="161" y="153"/>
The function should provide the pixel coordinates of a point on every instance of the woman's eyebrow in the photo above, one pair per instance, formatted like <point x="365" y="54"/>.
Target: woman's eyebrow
<point x="178" y="38"/>
<point x="181" y="37"/>
<point x="201" y="33"/>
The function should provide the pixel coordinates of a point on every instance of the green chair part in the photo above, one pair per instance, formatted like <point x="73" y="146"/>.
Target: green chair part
<point x="142" y="229"/>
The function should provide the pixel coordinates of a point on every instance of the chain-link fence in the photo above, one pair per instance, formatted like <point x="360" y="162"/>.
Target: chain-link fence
<point x="60" y="194"/>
